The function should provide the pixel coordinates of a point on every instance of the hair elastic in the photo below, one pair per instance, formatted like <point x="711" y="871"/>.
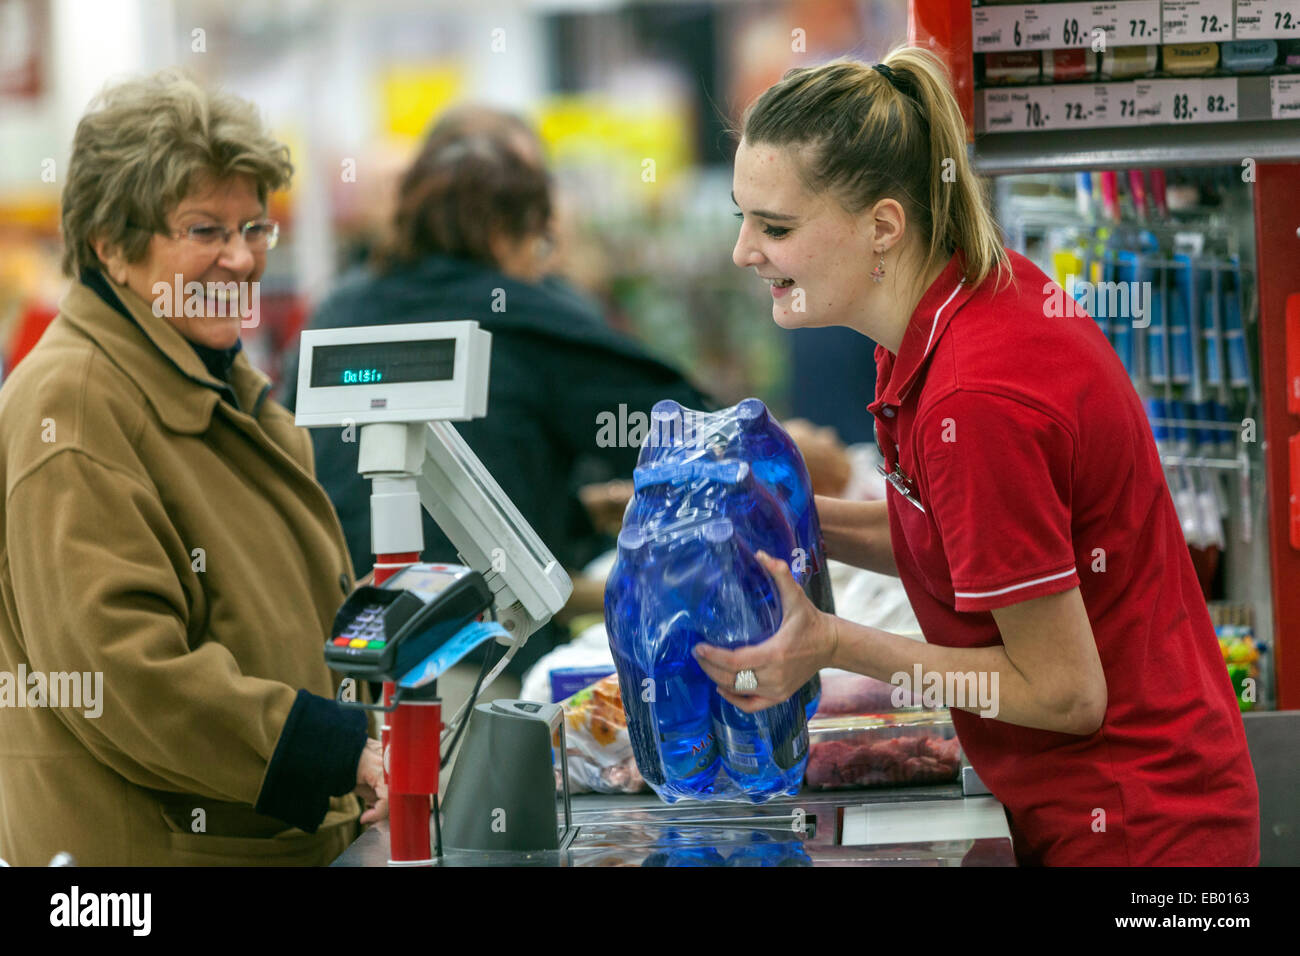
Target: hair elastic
<point x="889" y="74"/>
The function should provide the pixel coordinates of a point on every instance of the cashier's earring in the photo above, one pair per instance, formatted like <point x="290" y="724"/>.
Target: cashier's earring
<point x="878" y="273"/>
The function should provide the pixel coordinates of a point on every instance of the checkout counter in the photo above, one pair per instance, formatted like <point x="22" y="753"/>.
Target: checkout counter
<point x="934" y="825"/>
<point x="403" y="385"/>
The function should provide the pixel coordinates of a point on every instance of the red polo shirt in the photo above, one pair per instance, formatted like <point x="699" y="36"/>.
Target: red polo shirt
<point x="1027" y="446"/>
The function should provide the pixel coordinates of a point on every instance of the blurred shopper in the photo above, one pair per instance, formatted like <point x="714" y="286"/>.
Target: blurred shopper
<point x="471" y="240"/>
<point x="170" y="570"/>
<point x="1027" y="512"/>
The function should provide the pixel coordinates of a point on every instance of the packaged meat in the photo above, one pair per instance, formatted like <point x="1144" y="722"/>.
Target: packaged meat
<point x="596" y="739"/>
<point x="901" y="749"/>
<point x="844" y="692"/>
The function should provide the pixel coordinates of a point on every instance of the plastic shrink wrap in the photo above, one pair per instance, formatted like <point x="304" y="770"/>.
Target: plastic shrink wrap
<point x="711" y="489"/>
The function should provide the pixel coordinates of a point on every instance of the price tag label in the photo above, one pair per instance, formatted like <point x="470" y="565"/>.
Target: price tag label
<point x="1284" y="94"/>
<point x="1135" y="23"/>
<point x="1034" y="109"/>
<point x="1150" y="105"/>
<point x="999" y="111"/>
<point x="1014" y="28"/>
<point x="1075" y="23"/>
<point x="1218" y="100"/>
<point x="1120" y="104"/>
<point x="1081" y="107"/>
<point x="1192" y="21"/>
<point x="1268" y="19"/>
<point x="1183" y="98"/>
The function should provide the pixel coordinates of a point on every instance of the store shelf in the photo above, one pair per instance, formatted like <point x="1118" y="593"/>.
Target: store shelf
<point x="1204" y="144"/>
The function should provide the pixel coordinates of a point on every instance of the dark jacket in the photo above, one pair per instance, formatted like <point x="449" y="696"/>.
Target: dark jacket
<point x="556" y="366"/>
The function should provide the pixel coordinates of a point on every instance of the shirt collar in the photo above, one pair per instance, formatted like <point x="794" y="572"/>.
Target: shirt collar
<point x="938" y="305"/>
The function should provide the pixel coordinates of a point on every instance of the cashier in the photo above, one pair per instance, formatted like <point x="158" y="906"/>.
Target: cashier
<point x="1027" y="513"/>
<point x="169" y="563"/>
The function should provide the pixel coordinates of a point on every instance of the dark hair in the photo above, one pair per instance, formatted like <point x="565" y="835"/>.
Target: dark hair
<point x="470" y="182"/>
<point x="896" y="132"/>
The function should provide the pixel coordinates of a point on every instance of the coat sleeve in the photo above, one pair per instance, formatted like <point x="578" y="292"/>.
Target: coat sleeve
<point x="93" y="558"/>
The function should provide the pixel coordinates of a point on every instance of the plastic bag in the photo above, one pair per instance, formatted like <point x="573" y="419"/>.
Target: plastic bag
<point x="597" y="743"/>
<point x="589" y="650"/>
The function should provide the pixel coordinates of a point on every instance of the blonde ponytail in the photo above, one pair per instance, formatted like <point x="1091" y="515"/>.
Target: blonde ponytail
<point x="959" y="213"/>
<point x="892" y="133"/>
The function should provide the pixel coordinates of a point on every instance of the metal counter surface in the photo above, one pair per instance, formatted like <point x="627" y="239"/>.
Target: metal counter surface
<point x="911" y="826"/>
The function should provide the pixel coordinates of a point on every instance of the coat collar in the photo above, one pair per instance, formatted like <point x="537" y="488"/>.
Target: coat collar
<point x="938" y="305"/>
<point x="158" y="359"/>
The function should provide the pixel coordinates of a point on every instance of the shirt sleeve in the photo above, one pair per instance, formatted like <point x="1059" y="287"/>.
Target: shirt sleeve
<point x="92" y="555"/>
<point x="999" y="475"/>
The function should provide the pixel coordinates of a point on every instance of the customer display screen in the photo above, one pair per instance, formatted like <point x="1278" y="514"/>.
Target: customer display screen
<point x="376" y="363"/>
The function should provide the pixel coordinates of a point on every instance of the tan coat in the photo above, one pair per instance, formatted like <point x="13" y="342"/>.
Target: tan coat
<point x="154" y="534"/>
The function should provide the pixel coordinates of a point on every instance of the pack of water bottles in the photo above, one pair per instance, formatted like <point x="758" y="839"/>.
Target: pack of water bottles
<point x="711" y="489"/>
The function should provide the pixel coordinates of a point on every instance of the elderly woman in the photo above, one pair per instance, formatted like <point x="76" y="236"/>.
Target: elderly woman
<point x="164" y="541"/>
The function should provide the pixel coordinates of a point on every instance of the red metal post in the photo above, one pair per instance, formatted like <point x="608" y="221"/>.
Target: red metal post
<point x="1277" y="251"/>
<point x="944" y="27"/>
<point x="410" y="742"/>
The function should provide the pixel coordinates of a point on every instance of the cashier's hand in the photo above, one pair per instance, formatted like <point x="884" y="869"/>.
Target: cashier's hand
<point x="370" y="783"/>
<point x="803" y="645"/>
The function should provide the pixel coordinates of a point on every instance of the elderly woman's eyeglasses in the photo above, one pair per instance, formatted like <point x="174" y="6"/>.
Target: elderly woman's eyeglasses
<point x="259" y="234"/>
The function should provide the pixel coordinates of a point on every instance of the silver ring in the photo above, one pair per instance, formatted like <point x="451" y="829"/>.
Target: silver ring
<point x="746" y="681"/>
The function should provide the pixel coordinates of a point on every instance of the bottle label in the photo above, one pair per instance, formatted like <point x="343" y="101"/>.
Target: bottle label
<point x="740" y="748"/>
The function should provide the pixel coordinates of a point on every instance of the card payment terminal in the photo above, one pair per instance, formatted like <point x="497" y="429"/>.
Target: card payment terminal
<point x="381" y="633"/>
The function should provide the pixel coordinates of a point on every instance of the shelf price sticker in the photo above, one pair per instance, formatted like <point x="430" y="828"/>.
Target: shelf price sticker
<point x="1268" y="19"/>
<point x="1195" y="21"/>
<point x="1136" y="23"/>
<point x="1022" y="109"/>
<point x="1150" y="106"/>
<point x="1217" y="100"/>
<point x="999" y="111"/>
<point x="1014" y="28"/>
<point x="1284" y="96"/>
<point x="1079" y="106"/>
<point x="1035" y="109"/>
<point x="1121" y="103"/>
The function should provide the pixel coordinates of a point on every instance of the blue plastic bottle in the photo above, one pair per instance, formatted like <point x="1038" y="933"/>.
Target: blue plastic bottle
<point x="763" y="753"/>
<point x="665" y="693"/>
<point x="777" y="463"/>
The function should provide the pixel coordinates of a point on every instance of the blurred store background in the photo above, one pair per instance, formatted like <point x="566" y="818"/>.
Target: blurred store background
<point x="632" y="101"/>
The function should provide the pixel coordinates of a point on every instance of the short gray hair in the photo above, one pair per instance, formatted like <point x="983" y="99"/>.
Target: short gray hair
<point x="138" y="152"/>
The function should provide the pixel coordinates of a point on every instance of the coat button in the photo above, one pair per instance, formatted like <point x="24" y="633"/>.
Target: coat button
<point x="343" y="582"/>
<point x="888" y="412"/>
